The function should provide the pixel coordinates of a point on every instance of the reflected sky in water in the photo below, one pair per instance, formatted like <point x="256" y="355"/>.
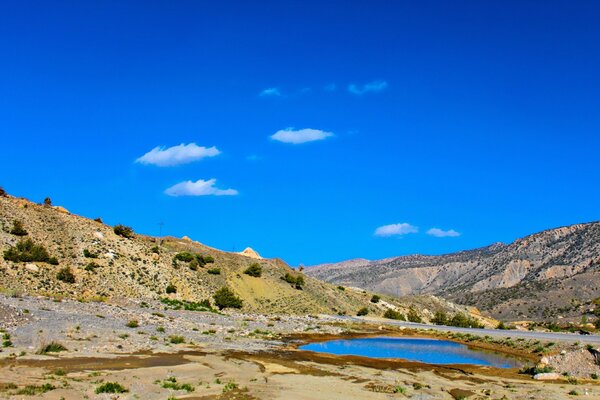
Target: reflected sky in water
<point x="431" y="351"/>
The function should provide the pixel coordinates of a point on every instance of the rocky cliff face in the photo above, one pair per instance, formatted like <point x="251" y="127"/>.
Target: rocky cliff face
<point x="545" y="275"/>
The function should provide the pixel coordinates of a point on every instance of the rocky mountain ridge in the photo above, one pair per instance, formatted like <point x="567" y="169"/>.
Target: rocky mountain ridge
<point x="550" y="274"/>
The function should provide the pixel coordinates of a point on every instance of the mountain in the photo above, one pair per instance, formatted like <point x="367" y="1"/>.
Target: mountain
<point x="105" y="266"/>
<point x="551" y="274"/>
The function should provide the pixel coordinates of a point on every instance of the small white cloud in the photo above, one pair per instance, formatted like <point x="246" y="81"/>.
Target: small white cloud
<point x="270" y="92"/>
<point x="396" y="229"/>
<point x="199" y="188"/>
<point x="437" y="232"/>
<point x="373" y="87"/>
<point x="176" y="155"/>
<point x="290" y="135"/>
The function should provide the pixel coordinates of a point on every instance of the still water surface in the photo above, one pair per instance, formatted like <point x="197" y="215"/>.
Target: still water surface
<point x="431" y="351"/>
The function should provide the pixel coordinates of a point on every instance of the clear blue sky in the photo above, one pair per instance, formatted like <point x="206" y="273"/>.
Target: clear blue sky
<point x="478" y="118"/>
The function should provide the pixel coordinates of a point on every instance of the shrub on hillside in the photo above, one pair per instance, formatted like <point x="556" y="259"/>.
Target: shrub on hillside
<point x="65" y="275"/>
<point x="18" y="229"/>
<point x="375" y="299"/>
<point x="295" y="280"/>
<point x="47" y="201"/>
<point x="341" y="288"/>
<point x="171" y="288"/>
<point x="413" y="316"/>
<point x="440" y="318"/>
<point x="463" y="321"/>
<point x="184" y="256"/>
<point x="254" y="270"/>
<point x="393" y="314"/>
<point x="214" y="271"/>
<point x="225" y="298"/>
<point x="124" y="231"/>
<point x="98" y="220"/>
<point x="89" y="254"/>
<point x="27" y="251"/>
<point x="362" y="311"/>
<point x="111" y="387"/>
<point x="2" y="192"/>
<point x="194" y="260"/>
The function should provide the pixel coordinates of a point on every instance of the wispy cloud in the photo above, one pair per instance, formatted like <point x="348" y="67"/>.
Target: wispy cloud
<point x="176" y="155"/>
<point x="270" y="92"/>
<point x="437" y="232"/>
<point x="373" y="87"/>
<point x="199" y="188"/>
<point x="396" y="229"/>
<point x="299" y="136"/>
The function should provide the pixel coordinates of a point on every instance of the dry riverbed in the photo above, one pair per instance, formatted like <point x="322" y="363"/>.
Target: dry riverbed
<point x="155" y="353"/>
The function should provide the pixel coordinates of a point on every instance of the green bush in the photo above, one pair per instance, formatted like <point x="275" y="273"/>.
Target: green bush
<point x="375" y="299"/>
<point x="184" y="256"/>
<point x="53" y="261"/>
<point x="124" y="231"/>
<point x="132" y="324"/>
<point x="26" y="251"/>
<point x="176" y="339"/>
<point x="47" y="201"/>
<point x="65" y="275"/>
<point x="52" y="347"/>
<point x="295" y="280"/>
<point x="341" y="288"/>
<point x="440" y="318"/>
<point x="392" y="314"/>
<point x="463" y="321"/>
<point x="91" y="267"/>
<point x="31" y="390"/>
<point x="3" y="192"/>
<point x="18" y="229"/>
<point x="362" y="311"/>
<point x="254" y="270"/>
<point x="214" y="271"/>
<point x="171" y="288"/>
<point x="413" y="316"/>
<point x="89" y="254"/>
<point x="110" y="387"/>
<point x="203" y="305"/>
<point x="225" y="298"/>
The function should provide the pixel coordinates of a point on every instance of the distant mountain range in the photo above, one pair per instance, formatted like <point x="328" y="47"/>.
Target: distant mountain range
<point x="547" y="275"/>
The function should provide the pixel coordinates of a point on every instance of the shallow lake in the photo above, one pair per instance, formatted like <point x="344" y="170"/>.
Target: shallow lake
<point x="431" y="351"/>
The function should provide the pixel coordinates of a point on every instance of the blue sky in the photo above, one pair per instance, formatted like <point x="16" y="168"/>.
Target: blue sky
<point x="313" y="131"/>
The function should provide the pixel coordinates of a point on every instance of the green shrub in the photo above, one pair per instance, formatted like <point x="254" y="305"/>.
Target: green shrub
<point x="392" y="314"/>
<point x="375" y="299"/>
<point x="132" y="323"/>
<point x="124" y="231"/>
<point x="184" y="256"/>
<point x="53" y="261"/>
<point x="98" y="220"/>
<point x="341" y="288"/>
<point x="89" y="254"/>
<point x="362" y="311"/>
<point x="65" y="275"/>
<point x="171" y="288"/>
<point x="110" y="387"/>
<point x="254" y="270"/>
<point x="413" y="316"/>
<point x="18" y="229"/>
<point x="440" y="318"/>
<point x="92" y="267"/>
<point x="26" y="251"/>
<point x="171" y="383"/>
<point x="52" y="347"/>
<point x="214" y="271"/>
<point x="225" y="298"/>
<point x="155" y="250"/>
<point x="295" y="280"/>
<point x="203" y="305"/>
<point x="463" y="321"/>
<point x="3" y="192"/>
<point x="31" y="390"/>
<point x="176" y="339"/>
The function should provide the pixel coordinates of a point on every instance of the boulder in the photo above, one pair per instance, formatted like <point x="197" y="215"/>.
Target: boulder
<point x="32" y="267"/>
<point x="547" y="376"/>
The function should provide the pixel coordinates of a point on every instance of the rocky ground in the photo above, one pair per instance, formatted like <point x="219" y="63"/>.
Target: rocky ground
<point x="157" y="353"/>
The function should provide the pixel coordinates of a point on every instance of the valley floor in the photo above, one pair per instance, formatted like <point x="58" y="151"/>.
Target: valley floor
<point x="172" y="354"/>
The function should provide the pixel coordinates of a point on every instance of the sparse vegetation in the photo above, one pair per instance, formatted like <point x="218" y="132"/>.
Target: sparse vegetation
<point x="18" y="229"/>
<point x="295" y="280"/>
<point x="375" y="299"/>
<point x="27" y="251"/>
<point x="110" y="387"/>
<point x="171" y="289"/>
<point x="89" y="254"/>
<point x="52" y="347"/>
<point x="393" y="314"/>
<point x="32" y="390"/>
<point x="440" y="318"/>
<point x="91" y="267"/>
<point x="132" y="323"/>
<point x="171" y="383"/>
<point x="254" y="270"/>
<point x="174" y="339"/>
<point x="123" y="231"/>
<point x="214" y="271"/>
<point x="362" y="311"/>
<point x="413" y="316"/>
<point x="203" y="305"/>
<point x="65" y="275"/>
<point x="225" y="298"/>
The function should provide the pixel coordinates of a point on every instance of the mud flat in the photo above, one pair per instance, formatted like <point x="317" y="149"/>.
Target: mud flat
<point x="155" y="353"/>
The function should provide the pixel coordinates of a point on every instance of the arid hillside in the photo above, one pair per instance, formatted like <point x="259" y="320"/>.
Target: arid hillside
<point x="87" y="260"/>
<point x="551" y="274"/>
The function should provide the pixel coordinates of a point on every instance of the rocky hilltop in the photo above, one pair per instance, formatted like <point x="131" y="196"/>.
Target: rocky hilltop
<point x="87" y="260"/>
<point x="551" y="274"/>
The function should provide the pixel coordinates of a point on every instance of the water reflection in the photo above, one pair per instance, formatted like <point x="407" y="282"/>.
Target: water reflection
<point x="431" y="351"/>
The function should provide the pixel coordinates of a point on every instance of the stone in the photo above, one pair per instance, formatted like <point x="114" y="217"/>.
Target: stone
<point x="32" y="267"/>
<point x="547" y="376"/>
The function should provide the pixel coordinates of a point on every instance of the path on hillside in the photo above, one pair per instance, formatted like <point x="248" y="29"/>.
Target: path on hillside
<point x="547" y="336"/>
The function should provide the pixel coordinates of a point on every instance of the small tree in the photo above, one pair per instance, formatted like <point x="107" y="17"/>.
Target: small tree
<point x="393" y="314"/>
<point x="225" y="298"/>
<point x="27" y="251"/>
<point x="362" y="311"/>
<point x="2" y="192"/>
<point x="47" y="201"/>
<point x="18" y="229"/>
<point x="413" y="315"/>
<point x="65" y="275"/>
<point x="375" y="299"/>
<point x="440" y="318"/>
<point x="254" y="270"/>
<point x="171" y="288"/>
<point x="124" y="231"/>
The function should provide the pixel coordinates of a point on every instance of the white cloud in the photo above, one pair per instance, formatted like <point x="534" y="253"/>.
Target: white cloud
<point x="437" y="232"/>
<point x="199" y="188"/>
<point x="289" y="135"/>
<point x="176" y="155"/>
<point x="396" y="229"/>
<point x="374" y="87"/>
<point x="270" y="92"/>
